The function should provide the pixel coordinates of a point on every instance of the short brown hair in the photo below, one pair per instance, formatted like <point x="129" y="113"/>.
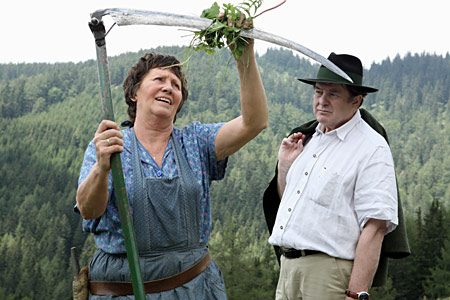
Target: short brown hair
<point x="137" y="73"/>
<point x="355" y="91"/>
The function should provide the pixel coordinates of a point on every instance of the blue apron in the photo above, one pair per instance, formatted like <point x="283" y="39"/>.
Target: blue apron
<point x="166" y="214"/>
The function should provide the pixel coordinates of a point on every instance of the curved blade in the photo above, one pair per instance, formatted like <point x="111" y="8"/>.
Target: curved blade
<point x="125" y="16"/>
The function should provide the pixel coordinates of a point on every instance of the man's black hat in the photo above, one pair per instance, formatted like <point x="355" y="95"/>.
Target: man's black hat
<point x="350" y="64"/>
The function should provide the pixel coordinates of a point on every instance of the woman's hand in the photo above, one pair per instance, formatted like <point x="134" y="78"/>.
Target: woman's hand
<point x="92" y="194"/>
<point x="108" y="140"/>
<point x="245" y="44"/>
<point x="240" y="22"/>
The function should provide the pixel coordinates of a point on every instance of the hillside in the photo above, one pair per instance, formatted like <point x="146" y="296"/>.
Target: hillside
<point x="49" y="113"/>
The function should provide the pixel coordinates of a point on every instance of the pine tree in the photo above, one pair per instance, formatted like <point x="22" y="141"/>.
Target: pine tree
<point x="437" y="285"/>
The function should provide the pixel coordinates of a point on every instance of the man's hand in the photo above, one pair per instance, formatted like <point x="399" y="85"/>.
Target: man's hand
<point x="290" y="149"/>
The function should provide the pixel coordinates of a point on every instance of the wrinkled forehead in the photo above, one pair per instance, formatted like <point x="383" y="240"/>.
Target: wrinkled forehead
<point x="165" y="72"/>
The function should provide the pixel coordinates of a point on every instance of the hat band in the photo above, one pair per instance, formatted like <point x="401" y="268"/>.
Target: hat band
<point x="325" y="74"/>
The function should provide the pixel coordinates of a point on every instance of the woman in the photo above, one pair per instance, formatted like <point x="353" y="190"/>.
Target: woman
<point x="167" y="172"/>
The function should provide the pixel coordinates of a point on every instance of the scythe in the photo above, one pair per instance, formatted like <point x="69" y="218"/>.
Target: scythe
<point x="125" y="16"/>
<point x="122" y="17"/>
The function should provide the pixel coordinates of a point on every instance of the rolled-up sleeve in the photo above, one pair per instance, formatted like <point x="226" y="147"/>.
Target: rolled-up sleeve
<point x="376" y="190"/>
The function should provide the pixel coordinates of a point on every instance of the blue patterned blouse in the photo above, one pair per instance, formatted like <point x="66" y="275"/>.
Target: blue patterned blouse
<point x="197" y="143"/>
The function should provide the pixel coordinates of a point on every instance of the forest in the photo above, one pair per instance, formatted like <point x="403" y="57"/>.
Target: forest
<point x="49" y="113"/>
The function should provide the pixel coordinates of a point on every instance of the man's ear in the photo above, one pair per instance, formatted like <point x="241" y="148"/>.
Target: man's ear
<point x="357" y="100"/>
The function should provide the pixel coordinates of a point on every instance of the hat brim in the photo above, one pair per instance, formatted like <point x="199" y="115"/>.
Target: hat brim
<point x="313" y="81"/>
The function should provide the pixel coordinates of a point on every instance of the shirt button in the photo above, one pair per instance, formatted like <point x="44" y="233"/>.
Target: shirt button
<point x="158" y="173"/>
<point x="289" y="210"/>
<point x="315" y="156"/>
<point x="281" y="227"/>
<point x="298" y="192"/>
<point x="306" y="173"/>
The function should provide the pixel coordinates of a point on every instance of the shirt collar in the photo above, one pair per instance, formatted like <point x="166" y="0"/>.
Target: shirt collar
<point x="343" y="130"/>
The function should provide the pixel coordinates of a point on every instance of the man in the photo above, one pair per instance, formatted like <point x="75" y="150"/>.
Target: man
<point x="337" y="185"/>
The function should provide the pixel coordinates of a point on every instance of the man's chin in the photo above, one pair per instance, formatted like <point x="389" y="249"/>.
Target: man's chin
<point x="322" y="118"/>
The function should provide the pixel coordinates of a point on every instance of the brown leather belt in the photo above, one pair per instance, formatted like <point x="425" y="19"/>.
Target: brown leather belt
<point x="155" y="286"/>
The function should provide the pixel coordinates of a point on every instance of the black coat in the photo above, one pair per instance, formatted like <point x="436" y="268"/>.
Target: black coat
<point x="395" y="244"/>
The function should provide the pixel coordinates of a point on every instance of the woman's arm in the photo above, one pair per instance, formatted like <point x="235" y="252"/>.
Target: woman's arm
<point x="92" y="194"/>
<point x="254" y="113"/>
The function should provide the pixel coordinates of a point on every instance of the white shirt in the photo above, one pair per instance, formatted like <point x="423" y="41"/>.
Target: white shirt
<point x="341" y="180"/>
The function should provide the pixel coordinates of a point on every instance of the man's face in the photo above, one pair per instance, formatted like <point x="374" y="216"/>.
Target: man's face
<point x="333" y="105"/>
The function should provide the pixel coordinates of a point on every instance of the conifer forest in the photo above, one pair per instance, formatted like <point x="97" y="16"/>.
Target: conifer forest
<point x="49" y="114"/>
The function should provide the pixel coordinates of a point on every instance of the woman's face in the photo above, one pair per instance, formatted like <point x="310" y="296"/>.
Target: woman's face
<point x="159" y="95"/>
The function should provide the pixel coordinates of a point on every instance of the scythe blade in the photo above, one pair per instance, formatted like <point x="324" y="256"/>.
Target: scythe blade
<point x="125" y="16"/>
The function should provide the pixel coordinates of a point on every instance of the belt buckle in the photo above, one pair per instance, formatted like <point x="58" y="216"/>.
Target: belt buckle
<point x="285" y="250"/>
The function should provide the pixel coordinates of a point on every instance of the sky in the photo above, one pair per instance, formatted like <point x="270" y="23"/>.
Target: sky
<point x="57" y="31"/>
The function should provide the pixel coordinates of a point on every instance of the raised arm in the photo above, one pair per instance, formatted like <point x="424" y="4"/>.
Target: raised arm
<point x="254" y="113"/>
<point x="92" y="194"/>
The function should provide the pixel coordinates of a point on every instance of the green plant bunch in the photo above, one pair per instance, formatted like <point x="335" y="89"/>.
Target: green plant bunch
<point x="226" y="27"/>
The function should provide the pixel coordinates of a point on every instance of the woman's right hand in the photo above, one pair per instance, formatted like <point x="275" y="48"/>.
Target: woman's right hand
<point x="108" y="140"/>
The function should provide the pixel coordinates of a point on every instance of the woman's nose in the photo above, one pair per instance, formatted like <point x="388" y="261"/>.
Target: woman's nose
<point x="167" y="88"/>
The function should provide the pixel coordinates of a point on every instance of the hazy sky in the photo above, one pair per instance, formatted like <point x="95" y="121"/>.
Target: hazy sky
<point x="57" y="31"/>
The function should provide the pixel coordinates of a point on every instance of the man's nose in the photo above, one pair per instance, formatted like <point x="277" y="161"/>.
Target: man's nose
<point x="323" y="99"/>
